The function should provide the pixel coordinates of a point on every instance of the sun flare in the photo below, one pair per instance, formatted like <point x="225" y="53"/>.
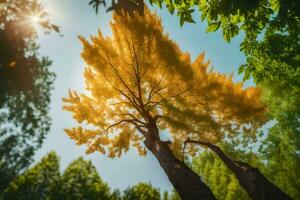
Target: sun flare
<point x="35" y="19"/>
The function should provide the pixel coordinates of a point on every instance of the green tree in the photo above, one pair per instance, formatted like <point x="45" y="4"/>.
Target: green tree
<point x="282" y="155"/>
<point x="141" y="191"/>
<point x="116" y="195"/>
<point x="25" y="84"/>
<point x="38" y="182"/>
<point x="217" y="175"/>
<point x="81" y="181"/>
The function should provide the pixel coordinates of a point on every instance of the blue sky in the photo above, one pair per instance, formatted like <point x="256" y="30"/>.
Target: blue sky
<point x="77" y="18"/>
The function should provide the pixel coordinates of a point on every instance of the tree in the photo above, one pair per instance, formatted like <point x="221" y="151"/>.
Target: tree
<point x="141" y="191"/>
<point x="250" y="178"/>
<point x="25" y="84"/>
<point x="43" y="181"/>
<point x="272" y="50"/>
<point x="282" y="145"/>
<point x="38" y="183"/>
<point x="219" y="178"/>
<point x="140" y="82"/>
<point x="81" y="181"/>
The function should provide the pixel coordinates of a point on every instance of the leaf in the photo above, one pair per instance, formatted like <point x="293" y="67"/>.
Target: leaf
<point x="241" y="69"/>
<point x="189" y="19"/>
<point x="171" y="8"/>
<point x="226" y="35"/>
<point x="182" y="20"/>
<point x="212" y="27"/>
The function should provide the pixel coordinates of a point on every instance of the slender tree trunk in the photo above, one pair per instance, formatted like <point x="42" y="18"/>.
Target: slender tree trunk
<point x="251" y="179"/>
<point x="186" y="182"/>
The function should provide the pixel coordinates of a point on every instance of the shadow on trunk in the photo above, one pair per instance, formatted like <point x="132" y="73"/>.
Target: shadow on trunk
<point x="187" y="183"/>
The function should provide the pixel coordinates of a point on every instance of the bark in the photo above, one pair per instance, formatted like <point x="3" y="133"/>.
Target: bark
<point x="251" y="179"/>
<point x="186" y="182"/>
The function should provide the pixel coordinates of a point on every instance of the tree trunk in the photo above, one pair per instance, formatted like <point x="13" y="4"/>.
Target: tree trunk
<point x="251" y="179"/>
<point x="186" y="182"/>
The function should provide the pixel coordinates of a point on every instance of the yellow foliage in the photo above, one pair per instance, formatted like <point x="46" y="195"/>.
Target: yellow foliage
<point x="139" y="74"/>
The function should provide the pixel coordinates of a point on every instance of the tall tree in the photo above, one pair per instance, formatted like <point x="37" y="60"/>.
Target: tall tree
<point x="25" y="84"/>
<point x="217" y="175"/>
<point x="140" y="82"/>
<point x="250" y="178"/>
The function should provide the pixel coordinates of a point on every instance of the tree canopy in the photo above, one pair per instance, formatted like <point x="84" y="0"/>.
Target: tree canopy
<point x="25" y="84"/>
<point x="142" y="191"/>
<point x="80" y="180"/>
<point x="140" y="82"/>
<point x="38" y="182"/>
<point x="140" y="72"/>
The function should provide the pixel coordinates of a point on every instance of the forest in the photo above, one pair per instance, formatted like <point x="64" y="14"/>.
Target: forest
<point x="112" y="100"/>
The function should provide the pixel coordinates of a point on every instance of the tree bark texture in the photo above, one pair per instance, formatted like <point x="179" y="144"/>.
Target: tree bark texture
<point x="187" y="183"/>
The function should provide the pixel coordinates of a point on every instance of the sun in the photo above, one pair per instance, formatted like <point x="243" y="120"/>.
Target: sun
<point x="35" y="19"/>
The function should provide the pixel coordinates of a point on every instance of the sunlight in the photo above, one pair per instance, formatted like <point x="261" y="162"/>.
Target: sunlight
<point x="35" y="19"/>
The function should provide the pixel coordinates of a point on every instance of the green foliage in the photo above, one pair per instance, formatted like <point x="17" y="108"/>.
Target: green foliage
<point x="218" y="177"/>
<point x="281" y="148"/>
<point x="37" y="183"/>
<point x="81" y="181"/>
<point x="271" y="27"/>
<point x="142" y="191"/>
<point x="25" y="84"/>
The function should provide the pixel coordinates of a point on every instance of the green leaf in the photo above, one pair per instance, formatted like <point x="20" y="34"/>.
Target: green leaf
<point x="182" y="20"/>
<point x="171" y="8"/>
<point x="189" y="19"/>
<point x="212" y="27"/>
<point x="241" y="69"/>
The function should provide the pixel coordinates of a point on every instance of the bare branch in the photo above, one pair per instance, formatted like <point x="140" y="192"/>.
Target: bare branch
<point x="133" y="118"/>
<point x="116" y="124"/>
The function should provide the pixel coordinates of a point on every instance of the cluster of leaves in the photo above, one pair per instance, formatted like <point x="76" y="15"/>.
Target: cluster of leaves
<point x="139" y="73"/>
<point x="282" y="145"/>
<point x="25" y="84"/>
<point x="80" y="180"/>
<point x="271" y="27"/>
<point x="126" y="5"/>
<point x="271" y="30"/>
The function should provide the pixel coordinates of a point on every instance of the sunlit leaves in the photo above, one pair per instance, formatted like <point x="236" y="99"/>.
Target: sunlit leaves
<point x="212" y="27"/>
<point x="138" y="76"/>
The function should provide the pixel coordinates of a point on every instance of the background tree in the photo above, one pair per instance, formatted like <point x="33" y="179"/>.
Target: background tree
<point x="81" y="181"/>
<point x="38" y="182"/>
<point x="281" y="147"/>
<point x="25" y="84"/>
<point x="216" y="174"/>
<point x="224" y="184"/>
<point x="140" y="82"/>
<point x="250" y="178"/>
<point x="142" y="191"/>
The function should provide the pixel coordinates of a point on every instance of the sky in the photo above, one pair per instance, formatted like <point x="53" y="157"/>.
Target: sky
<point x="76" y="17"/>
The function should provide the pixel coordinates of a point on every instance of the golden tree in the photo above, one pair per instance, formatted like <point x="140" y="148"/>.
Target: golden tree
<point x="139" y="82"/>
